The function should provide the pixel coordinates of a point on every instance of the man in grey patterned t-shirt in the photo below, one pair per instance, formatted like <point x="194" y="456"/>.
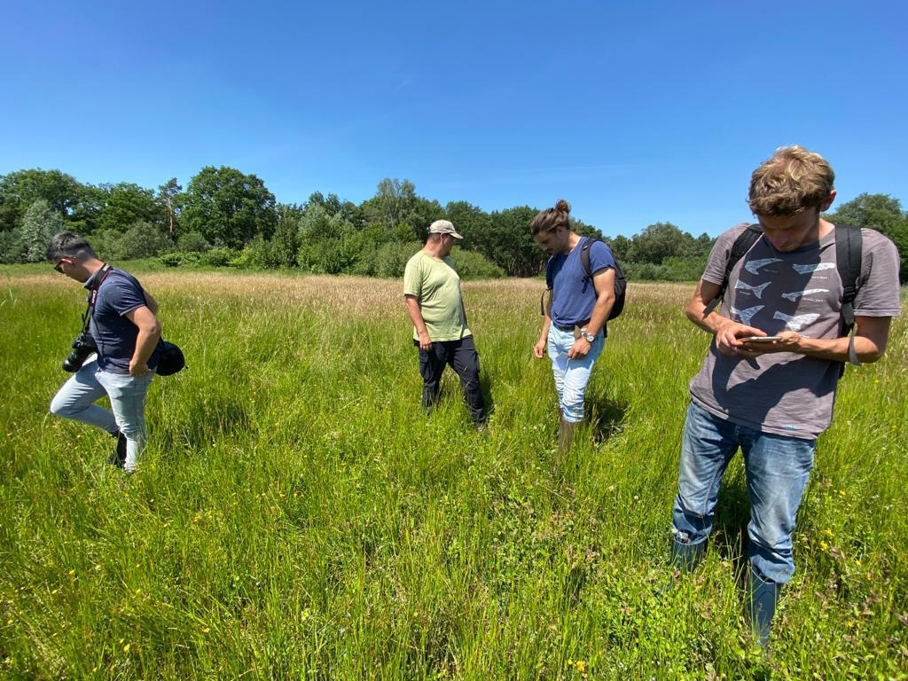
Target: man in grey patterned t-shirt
<point x="768" y="382"/>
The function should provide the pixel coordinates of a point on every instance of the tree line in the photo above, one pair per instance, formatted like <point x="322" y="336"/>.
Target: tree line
<point x="227" y="218"/>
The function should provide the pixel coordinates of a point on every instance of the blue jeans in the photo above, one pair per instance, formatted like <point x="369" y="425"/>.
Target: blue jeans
<point x="76" y="400"/>
<point x="777" y="469"/>
<point x="571" y="375"/>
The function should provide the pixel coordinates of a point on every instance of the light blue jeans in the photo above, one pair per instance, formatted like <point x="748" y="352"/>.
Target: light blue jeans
<point x="777" y="469"/>
<point x="76" y="400"/>
<point x="571" y="375"/>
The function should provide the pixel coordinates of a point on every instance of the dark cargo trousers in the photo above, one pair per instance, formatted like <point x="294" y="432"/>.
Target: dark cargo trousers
<point x="462" y="357"/>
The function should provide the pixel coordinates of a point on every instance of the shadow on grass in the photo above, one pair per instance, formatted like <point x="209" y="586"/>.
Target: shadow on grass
<point x="729" y="535"/>
<point x="606" y="418"/>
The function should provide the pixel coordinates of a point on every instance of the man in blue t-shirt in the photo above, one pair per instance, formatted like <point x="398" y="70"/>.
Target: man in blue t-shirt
<point x="573" y="331"/>
<point x="125" y="333"/>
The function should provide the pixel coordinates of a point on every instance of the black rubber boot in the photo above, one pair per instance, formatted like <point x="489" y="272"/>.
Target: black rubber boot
<point x="686" y="556"/>
<point x="118" y="457"/>
<point x="565" y="435"/>
<point x="764" y="596"/>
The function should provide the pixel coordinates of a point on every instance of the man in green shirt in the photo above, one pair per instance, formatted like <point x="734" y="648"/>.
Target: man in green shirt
<point x="433" y="299"/>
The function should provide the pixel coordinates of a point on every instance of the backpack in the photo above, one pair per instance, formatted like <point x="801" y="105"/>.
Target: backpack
<point x="848" y="248"/>
<point x="620" y="279"/>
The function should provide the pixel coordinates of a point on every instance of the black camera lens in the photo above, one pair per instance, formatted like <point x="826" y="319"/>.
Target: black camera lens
<point x="83" y="346"/>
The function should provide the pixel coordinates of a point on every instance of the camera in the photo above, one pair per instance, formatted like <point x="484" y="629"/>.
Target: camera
<point x="83" y="346"/>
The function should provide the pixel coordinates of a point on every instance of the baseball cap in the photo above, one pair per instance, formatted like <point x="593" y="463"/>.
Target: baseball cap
<point x="444" y="227"/>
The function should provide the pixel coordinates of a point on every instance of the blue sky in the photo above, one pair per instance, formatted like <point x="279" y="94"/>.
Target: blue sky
<point x="634" y="112"/>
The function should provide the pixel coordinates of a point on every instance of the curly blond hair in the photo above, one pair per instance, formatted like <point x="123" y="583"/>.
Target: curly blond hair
<point x="791" y="181"/>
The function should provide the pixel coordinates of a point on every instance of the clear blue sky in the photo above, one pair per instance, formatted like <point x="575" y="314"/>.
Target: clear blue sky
<point x="634" y="112"/>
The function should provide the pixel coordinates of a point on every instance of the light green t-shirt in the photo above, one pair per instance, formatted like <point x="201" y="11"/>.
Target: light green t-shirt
<point x="436" y="286"/>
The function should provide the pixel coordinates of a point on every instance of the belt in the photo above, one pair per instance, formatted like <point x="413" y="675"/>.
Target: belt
<point x="572" y="326"/>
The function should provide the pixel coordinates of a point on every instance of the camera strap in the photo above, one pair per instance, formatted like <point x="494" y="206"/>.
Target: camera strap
<point x="93" y="294"/>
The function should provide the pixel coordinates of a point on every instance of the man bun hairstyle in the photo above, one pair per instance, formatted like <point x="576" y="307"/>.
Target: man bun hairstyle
<point x="551" y="219"/>
<point x="791" y="181"/>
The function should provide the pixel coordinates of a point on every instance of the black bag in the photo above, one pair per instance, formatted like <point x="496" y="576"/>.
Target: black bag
<point x="170" y="358"/>
<point x="620" y="279"/>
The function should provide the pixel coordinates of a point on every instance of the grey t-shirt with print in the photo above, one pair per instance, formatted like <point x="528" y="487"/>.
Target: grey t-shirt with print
<point x="786" y="393"/>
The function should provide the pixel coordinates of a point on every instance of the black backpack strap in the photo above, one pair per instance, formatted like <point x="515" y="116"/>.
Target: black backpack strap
<point x="585" y="257"/>
<point x="742" y="244"/>
<point x="548" y="286"/>
<point x="848" y="246"/>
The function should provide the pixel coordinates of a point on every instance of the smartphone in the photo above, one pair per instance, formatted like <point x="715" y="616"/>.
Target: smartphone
<point x="760" y="339"/>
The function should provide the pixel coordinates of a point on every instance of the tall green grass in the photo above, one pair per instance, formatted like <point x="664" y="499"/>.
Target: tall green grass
<point x="297" y="515"/>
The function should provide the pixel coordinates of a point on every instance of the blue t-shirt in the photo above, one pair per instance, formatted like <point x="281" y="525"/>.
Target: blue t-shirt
<point x="115" y="336"/>
<point x="573" y="295"/>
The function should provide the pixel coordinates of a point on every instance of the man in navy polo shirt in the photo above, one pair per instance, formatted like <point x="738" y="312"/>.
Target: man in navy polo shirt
<point x="126" y="332"/>
<point x="573" y="331"/>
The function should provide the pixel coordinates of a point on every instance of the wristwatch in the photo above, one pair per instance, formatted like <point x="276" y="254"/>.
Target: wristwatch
<point x="588" y="337"/>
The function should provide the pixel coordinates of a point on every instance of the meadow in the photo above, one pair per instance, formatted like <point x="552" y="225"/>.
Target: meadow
<point x="298" y="516"/>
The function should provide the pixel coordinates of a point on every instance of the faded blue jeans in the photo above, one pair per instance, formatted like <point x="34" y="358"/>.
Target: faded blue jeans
<point x="777" y="469"/>
<point x="571" y="375"/>
<point x="76" y="400"/>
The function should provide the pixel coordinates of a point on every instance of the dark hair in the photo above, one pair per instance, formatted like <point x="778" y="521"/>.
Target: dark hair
<point x="69" y="245"/>
<point x="550" y="219"/>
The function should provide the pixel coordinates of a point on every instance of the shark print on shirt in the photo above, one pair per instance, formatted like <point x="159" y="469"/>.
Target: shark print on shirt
<point x="747" y="314"/>
<point x="797" y="322"/>
<point x="813" y="267"/>
<point x="756" y="290"/>
<point x="754" y="266"/>
<point x="794" y="295"/>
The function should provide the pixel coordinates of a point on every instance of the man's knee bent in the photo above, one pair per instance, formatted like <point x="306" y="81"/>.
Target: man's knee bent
<point x="60" y="406"/>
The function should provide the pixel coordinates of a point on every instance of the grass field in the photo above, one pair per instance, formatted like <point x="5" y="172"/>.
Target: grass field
<point x="297" y="515"/>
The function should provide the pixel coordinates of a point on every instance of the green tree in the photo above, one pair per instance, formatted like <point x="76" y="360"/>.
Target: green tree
<point x="126" y="204"/>
<point x="506" y="241"/>
<point x="882" y="213"/>
<point x="228" y="208"/>
<point x="286" y="241"/>
<point x="704" y="245"/>
<point x="40" y="223"/>
<point x="328" y="243"/>
<point x="398" y="209"/>
<point x="12" y="247"/>
<point x="391" y="204"/>
<point x="620" y="246"/>
<point x="62" y="193"/>
<point x="142" y="240"/>
<point x="9" y="215"/>
<point x="660" y="241"/>
<point x="468" y="220"/>
<point x="169" y="195"/>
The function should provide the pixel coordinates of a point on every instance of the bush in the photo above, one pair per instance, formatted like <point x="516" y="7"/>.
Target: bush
<point x="337" y="255"/>
<point x="141" y="240"/>
<point x="472" y="265"/>
<point x="391" y="258"/>
<point x="671" y="269"/>
<point x="192" y="242"/>
<point x="12" y="247"/>
<point x="218" y="257"/>
<point x="256" y="255"/>
<point x="172" y="259"/>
